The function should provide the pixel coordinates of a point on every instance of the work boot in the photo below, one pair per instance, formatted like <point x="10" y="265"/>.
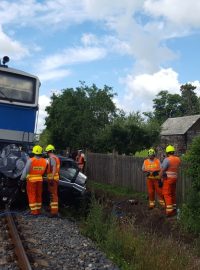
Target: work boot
<point x="50" y="215"/>
<point x="30" y="215"/>
<point x="171" y="214"/>
<point x="151" y="207"/>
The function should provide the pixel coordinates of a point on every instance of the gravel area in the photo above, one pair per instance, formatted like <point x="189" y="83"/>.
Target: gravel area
<point x="7" y="256"/>
<point x="61" y="244"/>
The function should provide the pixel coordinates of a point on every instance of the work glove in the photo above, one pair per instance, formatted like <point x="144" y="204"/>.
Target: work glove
<point x="22" y="185"/>
<point x="21" y="181"/>
<point x="164" y="176"/>
<point x="160" y="183"/>
<point x="156" y="173"/>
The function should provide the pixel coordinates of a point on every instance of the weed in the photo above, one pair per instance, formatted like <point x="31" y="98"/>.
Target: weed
<point x="132" y="249"/>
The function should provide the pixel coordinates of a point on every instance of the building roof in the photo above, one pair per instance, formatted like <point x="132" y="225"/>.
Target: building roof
<point x="178" y="125"/>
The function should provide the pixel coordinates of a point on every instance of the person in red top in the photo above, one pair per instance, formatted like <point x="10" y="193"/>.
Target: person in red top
<point x="33" y="173"/>
<point x="53" y="169"/>
<point x="169" y="172"/>
<point x="80" y="160"/>
<point x="151" y="167"/>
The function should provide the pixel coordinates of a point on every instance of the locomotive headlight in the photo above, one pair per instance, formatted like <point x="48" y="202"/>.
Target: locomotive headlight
<point x="5" y="60"/>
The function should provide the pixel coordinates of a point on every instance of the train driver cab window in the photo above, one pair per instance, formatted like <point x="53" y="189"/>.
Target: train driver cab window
<point x="17" y="88"/>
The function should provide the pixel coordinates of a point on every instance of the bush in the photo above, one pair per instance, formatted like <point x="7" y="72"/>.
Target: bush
<point x="190" y="212"/>
<point x="142" y="153"/>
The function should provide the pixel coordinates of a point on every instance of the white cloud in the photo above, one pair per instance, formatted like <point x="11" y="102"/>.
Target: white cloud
<point x="22" y="12"/>
<point x="50" y="67"/>
<point x="73" y="56"/>
<point x="44" y="101"/>
<point x="47" y="12"/>
<point x="142" y="89"/>
<point x="150" y="84"/>
<point x="89" y="39"/>
<point x="94" y="49"/>
<point x="103" y="9"/>
<point x="54" y="74"/>
<point x="10" y="47"/>
<point x="110" y="43"/>
<point x="179" y="12"/>
<point x="197" y="85"/>
<point x="115" y="45"/>
<point x="57" y="12"/>
<point x="144" y="41"/>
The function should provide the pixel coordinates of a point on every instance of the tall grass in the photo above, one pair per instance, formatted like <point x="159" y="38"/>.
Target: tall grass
<point x="116" y="191"/>
<point x="130" y="248"/>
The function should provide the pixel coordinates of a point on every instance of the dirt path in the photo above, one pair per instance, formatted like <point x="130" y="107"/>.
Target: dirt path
<point x="152" y="221"/>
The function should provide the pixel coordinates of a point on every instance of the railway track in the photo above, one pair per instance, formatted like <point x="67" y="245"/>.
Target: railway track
<point x="22" y="258"/>
<point x="17" y="251"/>
<point x="13" y="254"/>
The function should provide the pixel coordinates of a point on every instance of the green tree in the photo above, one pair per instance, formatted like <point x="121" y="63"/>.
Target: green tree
<point x="189" y="100"/>
<point x="126" y="134"/>
<point x="77" y="115"/>
<point x="152" y="128"/>
<point x="167" y="105"/>
<point x="44" y="138"/>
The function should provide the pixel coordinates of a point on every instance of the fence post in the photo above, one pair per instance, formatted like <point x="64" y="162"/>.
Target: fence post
<point x="114" y="155"/>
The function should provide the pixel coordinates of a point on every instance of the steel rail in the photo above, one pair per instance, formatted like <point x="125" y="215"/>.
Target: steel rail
<point x="18" y="246"/>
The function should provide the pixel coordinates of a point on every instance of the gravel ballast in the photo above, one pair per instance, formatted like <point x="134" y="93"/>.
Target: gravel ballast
<point x="64" y="248"/>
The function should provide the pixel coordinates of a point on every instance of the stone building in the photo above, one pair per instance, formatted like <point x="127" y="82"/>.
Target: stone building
<point x="180" y="132"/>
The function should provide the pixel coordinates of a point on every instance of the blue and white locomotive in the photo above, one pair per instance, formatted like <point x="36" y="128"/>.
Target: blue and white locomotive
<point x="19" y="93"/>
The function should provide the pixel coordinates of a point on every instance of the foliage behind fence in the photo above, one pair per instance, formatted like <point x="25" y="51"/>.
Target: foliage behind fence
<point x="126" y="171"/>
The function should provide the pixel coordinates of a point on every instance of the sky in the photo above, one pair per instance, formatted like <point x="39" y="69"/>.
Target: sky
<point x="137" y="47"/>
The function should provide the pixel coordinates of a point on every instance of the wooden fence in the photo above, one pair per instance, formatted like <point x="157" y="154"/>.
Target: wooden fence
<point x="126" y="171"/>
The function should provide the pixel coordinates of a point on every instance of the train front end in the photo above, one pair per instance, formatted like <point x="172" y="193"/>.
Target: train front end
<point x="18" y="109"/>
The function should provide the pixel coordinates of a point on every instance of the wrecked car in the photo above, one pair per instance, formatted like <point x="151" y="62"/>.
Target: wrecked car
<point x="70" y="175"/>
<point x="12" y="163"/>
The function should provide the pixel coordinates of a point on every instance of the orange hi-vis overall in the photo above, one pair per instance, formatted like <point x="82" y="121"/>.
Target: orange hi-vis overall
<point x="152" y="182"/>
<point x="53" y="185"/>
<point x="169" y="184"/>
<point x="34" y="184"/>
<point x="80" y="162"/>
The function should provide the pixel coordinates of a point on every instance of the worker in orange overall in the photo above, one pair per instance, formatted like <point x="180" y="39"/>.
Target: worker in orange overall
<point x="80" y="160"/>
<point x="33" y="173"/>
<point x="152" y="167"/>
<point x="53" y="169"/>
<point x="169" y="171"/>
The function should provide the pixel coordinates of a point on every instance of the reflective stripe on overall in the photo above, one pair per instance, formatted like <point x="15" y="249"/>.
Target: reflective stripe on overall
<point x="169" y="185"/>
<point x="152" y="182"/>
<point x="53" y="186"/>
<point x="49" y="168"/>
<point x="34" y="184"/>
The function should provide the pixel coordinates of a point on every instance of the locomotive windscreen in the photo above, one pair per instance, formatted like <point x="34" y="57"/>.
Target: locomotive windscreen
<point x="17" y="88"/>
